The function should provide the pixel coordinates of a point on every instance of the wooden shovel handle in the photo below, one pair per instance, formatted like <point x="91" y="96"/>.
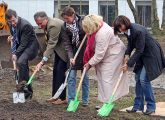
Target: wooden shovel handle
<point x="81" y="80"/>
<point x="117" y="84"/>
<point x="82" y="43"/>
<point x="14" y="65"/>
<point x="35" y="71"/>
<point x="14" y="62"/>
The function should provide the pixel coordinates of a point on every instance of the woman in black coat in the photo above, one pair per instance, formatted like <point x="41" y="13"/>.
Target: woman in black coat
<point x="148" y="59"/>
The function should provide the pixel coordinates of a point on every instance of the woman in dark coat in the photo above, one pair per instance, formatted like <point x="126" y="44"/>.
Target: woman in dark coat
<point x="148" y="59"/>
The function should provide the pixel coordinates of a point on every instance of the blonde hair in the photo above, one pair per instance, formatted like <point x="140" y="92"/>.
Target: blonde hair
<point x="91" y="23"/>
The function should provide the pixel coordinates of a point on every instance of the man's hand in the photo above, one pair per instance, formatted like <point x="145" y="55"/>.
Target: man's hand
<point x="125" y="68"/>
<point x="39" y="66"/>
<point x="10" y="38"/>
<point x="88" y="66"/>
<point x="72" y="61"/>
<point x="14" y="57"/>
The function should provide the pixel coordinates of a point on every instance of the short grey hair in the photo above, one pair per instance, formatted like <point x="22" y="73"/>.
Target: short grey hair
<point x="41" y="14"/>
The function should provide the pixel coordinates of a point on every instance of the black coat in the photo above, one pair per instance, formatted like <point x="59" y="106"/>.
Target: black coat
<point x="148" y="52"/>
<point x="27" y="38"/>
<point x="71" y="49"/>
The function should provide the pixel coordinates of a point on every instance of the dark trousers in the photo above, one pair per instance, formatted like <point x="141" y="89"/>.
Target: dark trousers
<point x="23" y="67"/>
<point x="59" y="70"/>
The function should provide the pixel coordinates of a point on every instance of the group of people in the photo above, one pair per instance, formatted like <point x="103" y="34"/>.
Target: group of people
<point x="102" y="50"/>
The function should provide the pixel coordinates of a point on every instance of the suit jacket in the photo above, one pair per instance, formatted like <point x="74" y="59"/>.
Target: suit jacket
<point x="54" y="41"/>
<point x="71" y="48"/>
<point x="148" y="52"/>
<point x="26" y="37"/>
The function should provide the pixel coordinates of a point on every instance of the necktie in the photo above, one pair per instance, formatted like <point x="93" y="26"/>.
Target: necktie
<point x="14" y="46"/>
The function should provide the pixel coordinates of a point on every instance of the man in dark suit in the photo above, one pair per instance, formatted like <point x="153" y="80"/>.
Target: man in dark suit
<point x="24" y="44"/>
<point x="148" y="59"/>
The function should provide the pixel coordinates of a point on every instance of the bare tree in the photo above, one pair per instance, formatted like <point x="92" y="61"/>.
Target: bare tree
<point x="80" y="7"/>
<point x="154" y="18"/>
<point x="163" y="19"/>
<point x="134" y="11"/>
<point x="59" y="8"/>
<point x="69" y="3"/>
<point x="116" y="8"/>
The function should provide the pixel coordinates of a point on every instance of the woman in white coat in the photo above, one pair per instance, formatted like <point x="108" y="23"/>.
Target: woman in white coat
<point x="105" y="52"/>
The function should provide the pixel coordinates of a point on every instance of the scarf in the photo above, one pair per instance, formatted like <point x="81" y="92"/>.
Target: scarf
<point x="89" y="51"/>
<point x="75" y="31"/>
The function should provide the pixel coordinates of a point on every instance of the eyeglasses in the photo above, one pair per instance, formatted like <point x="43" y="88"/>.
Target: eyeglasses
<point x="12" y="21"/>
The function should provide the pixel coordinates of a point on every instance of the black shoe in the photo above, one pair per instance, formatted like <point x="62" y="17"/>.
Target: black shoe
<point x="148" y="112"/>
<point x="97" y="107"/>
<point x="132" y="110"/>
<point x="84" y="104"/>
<point x="28" y="93"/>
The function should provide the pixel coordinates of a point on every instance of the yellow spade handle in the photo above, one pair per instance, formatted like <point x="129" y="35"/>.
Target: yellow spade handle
<point x="117" y="84"/>
<point x="82" y="43"/>
<point x="14" y="65"/>
<point x="81" y="80"/>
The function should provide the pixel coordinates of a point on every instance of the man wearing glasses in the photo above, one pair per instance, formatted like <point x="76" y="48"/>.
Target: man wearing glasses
<point x="24" y="45"/>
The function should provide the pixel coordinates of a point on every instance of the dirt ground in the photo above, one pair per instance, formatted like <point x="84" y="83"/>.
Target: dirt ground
<point x="38" y="109"/>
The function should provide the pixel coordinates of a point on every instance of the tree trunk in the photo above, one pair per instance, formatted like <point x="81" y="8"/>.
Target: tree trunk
<point x="80" y="7"/>
<point x="116" y="8"/>
<point x="59" y="8"/>
<point x="154" y="18"/>
<point x="134" y="11"/>
<point x="69" y="3"/>
<point x="163" y="19"/>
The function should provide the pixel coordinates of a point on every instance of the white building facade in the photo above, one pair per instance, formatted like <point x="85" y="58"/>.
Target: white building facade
<point x="27" y="8"/>
<point x="106" y="8"/>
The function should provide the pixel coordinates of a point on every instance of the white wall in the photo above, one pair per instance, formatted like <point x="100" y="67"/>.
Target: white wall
<point x="93" y="7"/>
<point x="27" y="8"/>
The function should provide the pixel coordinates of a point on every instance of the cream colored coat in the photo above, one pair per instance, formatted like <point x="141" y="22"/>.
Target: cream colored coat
<point x="108" y="60"/>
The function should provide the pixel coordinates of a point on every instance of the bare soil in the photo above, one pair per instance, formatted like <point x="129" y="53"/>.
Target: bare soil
<point x="38" y="109"/>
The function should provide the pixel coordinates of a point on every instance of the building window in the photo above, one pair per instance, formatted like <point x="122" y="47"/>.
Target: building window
<point x="85" y="9"/>
<point x="107" y="11"/>
<point x="144" y="13"/>
<point x="75" y="4"/>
